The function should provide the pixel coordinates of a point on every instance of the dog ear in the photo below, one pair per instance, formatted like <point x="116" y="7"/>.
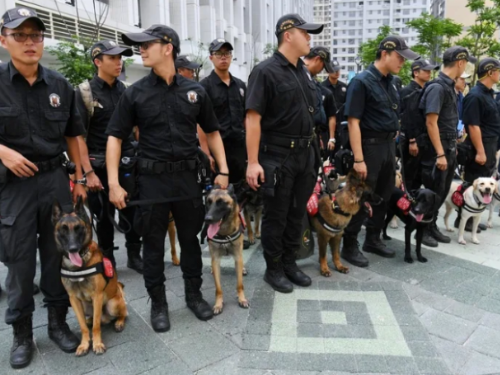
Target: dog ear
<point x="80" y="210"/>
<point x="474" y="184"/>
<point x="230" y="189"/>
<point x="57" y="212"/>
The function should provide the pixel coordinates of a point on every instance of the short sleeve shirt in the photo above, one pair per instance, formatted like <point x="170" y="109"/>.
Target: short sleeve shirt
<point x="480" y="109"/>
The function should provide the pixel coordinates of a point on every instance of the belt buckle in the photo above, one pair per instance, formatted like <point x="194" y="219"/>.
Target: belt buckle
<point x="292" y="144"/>
<point x="170" y="167"/>
<point x="179" y="166"/>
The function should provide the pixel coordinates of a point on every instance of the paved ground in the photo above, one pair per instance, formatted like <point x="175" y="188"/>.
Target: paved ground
<point x="442" y="317"/>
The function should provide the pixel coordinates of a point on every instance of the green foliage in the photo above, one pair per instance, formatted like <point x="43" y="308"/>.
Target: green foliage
<point x="73" y="61"/>
<point x="269" y="49"/>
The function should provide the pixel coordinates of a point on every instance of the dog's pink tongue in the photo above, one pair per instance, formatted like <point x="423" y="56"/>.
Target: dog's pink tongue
<point x="419" y="217"/>
<point x="76" y="259"/>
<point x="487" y="199"/>
<point x="213" y="229"/>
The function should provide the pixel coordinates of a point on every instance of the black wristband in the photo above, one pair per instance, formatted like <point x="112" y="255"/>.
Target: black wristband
<point x="359" y="161"/>
<point x="88" y="172"/>
<point x="411" y="142"/>
<point x="440" y="156"/>
<point x="224" y="174"/>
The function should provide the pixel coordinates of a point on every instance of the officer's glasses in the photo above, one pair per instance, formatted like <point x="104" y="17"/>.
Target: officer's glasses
<point x="220" y="55"/>
<point x="146" y="45"/>
<point x="22" y="37"/>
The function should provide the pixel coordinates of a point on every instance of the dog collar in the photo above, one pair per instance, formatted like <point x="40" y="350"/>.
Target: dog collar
<point x="327" y="226"/>
<point x="423" y="221"/>
<point x="83" y="272"/>
<point x="336" y="208"/>
<point x="474" y="210"/>
<point x="226" y="239"/>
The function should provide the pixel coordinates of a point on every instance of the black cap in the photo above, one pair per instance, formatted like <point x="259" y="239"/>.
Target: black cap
<point x="217" y="44"/>
<point x="457" y="53"/>
<point x="398" y="44"/>
<point x="336" y="66"/>
<point x="325" y="56"/>
<point x="154" y="32"/>
<point x="15" y="17"/>
<point x="486" y="65"/>
<point x="184" y="62"/>
<point x="109" y="47"/>
<point x="289" y="21"/>
<point x="422" y="64"/>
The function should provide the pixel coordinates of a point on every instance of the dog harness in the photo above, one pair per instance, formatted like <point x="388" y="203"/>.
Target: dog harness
<point x="224" y="240"/>
<point x="105" y="268"/>
<point x="404" y="204"/>
<point x="458" y="200"/>
<point x="328" y="227"/>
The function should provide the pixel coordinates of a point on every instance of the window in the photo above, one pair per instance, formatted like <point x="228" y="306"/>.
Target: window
<point x="350" y="50"/>
<point x="406" y="12"/>
<point x="350" y="68"/>
<point x="350" y="59"/>
<point x="406" y="2"/>
<point x="352" y="32"/>
<point x="351" y="42"/>
<point x="405" y="30"/>
<point x="386" y="12"/>
<point x="343" y="50"/>
<point x="352" y="23"/>
<point x="352" y="14"/>
<point x="334" y="51"/>
<point x="352" y="5"/>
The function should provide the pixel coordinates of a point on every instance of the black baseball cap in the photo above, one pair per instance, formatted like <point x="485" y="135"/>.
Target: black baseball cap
<point x="184" y="62"/>
<point x="165" y="33"/>
<point x="217" y="44"/>
<point x="325" y="56"/>
<point x="15" y="17"/>
<point x="336" y="66"/>
<point x="487" y="64"/>
<point x="422" y="64"/>
<point x="289" y="21"/>
<point x="398" y="44"/>
<point x="457" y="53"/>
<point x="109" y="47"/>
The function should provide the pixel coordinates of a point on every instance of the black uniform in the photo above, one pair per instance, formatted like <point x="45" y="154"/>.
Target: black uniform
<point x="339" y="96"/>
<point x="328" y="103"/>
<point x="411" y="164"/>
<point x="229" y="107"/>
<point x="166" y="116"/>
<point x="105" y="98"/>
<point x="372" y="98"/>
<point x="480" y="109"/>
<point x="286" y="152"/>
<point x="34" y="121"/>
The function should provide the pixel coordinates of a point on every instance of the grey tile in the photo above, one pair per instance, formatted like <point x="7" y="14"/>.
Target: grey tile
<point x="355" y="308"/>
<point x="412" y="291"/>
<point x="255" y="342"/>
<point x="420" y="308"/>
<point x="332" y="305"/>
<point x="310" y="330"/>
<point x="309" y="317"/>
<point x="370" y="286"/>
<point x="258" y="328"/>
<point x="432" y="366"/>
<point x="465" y="311"/>
<point x="491" y="321"/>
<point x="454" y="355"/>
<point x="485" y="341"/>
<point x="464" y="294"/>
<point x="325" y="362"/>
<point x="337" y="331"/>
<point x="423" y="349"/>
<point x="268" y="360"/>
<point x="37" y="367"/>
<point x="414" y="333"/>
<point x="479" y="364"/>
<point x="391" y="285"/>
<point x="489" y="304"/>
<point x="176" y="367"/>
<point x="57" y="362"/>
<point x="401" y="365"/>
<point x="363" y="332"/>
<point x="349" y="285"/>
<point x="110" y="369"/>
<point x="184" y="324"/>
<point x="328" y="285"/>
<point x="407" y="319"/>
<point x="308" y="305"/>
<point x="371" y="363"/>
<point x="433" y="300"/>
<point x="448" y="326"/>
<point x="356" y="319"/>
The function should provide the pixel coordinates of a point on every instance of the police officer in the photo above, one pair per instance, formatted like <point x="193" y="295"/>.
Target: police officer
<point x="227" y="94"/>
<point x="186" y="67"/>
<point x="96" y="100"/>
<point x="439" y="105"/>
<point x="39" y="122"/>
<point x="482" y="121"/>
<point x="317" y="60"/>
<point x="372" y="107"/>
<point x="421" y="73"/>
<point x="166" y="107"/>
<point x="280" y="122"/>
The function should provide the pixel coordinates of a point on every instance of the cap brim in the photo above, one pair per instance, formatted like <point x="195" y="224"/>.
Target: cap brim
<point x="20" y="21"/>
<point x="137" y="38"/>
<point x="430" y="67"/>
<point x="311" y="28"/>
<point x="192" y="65"/>
<point x="329" y="67"/>
<point x="408" y="54"/>
<point x="472" y="59"/>
<point x="118" y="51"/>
<point x="220" y="45"/>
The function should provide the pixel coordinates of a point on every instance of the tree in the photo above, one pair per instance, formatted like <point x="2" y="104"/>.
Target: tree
<point x="269" y="49"/>
<point x="74" y="61"/>
<point x="434" y="35"/>
<point x="200" y="57"/>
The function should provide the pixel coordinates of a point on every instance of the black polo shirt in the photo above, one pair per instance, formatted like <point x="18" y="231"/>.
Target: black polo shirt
<point x="105" y="99"/>
<point x="404" y="93"/>
<point x="228" y="103"/>
<point x="408" y="89"/>
<point x="328" y="101"/>
<point x="370" y="98"/>
<point x="274" y="93"/>
<point x="480" y="108"/>
<point x="339" y="92"/>
<point x="166" y="116"/>
<point x="35" y="119"/>
<point x="440" y="98"/>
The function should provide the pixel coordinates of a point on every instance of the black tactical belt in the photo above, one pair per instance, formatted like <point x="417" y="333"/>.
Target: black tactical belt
<point x="448" y="136"/>
<point x="50" y="165"/>
<point x="158" y="167"/>
<point x="300" y="142"/>
<point x="370" y="134"/>
<point x="490" y="140"/>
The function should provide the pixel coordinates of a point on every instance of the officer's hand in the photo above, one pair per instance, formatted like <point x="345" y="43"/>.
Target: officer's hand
<point x="212" y="163"/>
<point x="361" y="169"/>
<point x="117" y="196"/>
<point x="413" y="149"/>
<point x="222" y="181"/>
<point x="481" y="158"/>
<point x="331" y="145"/>
<point x="441" y="163"/>
<point x="79" y="191"/>
<point x="93" y="182"/>
<point x="254" y="172"/>
<point x="19" y="165"/>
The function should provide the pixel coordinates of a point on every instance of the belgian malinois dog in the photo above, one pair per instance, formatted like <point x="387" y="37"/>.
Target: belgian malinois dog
<point x="171" y="236"/>
<point x="225" y="237"/>
<point x="99" y="296"/>
<point x="253" y="203"/>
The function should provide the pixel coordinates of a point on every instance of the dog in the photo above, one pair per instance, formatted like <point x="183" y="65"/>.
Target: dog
<point x="399" y="182"/>
<point x="475" y="200"/>
<point x="494" y="202"/>
<point x="225" y="237"/>
<point x="416" y="214"/>
<point x="253" y="205"/>
<point x="334" y="214"/>
<point x="171" y="236"/>
<point x="99" y="295"/>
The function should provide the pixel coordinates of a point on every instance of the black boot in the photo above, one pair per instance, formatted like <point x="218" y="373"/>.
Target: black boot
<point x="59" y="331"/>
<point x="468" y="225"/>
<point x="194" y="299"/>
<point x="159" y="309"/>
<point x="438" y="236"/>
<point x="351" y="253"/>
<point x="427" y="238"/>
<point x="275" y="275"/>
<point x="108" y="253"/>
<point x="293" y="272"/>
<point x="22" y="347"/>
<point x="373" y="244"/>
<point x="134" y="260"/>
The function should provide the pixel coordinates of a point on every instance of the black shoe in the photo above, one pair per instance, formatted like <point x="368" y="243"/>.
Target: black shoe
<point x="427" y="239"/>
<point x="468" y="225"/>
<point x="108" y="253"/>
<point x="159" y="309"/>
<point x="373" y="244"/>
<point x="246" y="244"/>
<point x="482" y="227"/>
<point x="59" y="331"/>
<point x="194" y="299"/>
<point x="351" y="253"/>
<point x="36" y="289"/>
<point x="22" y="347"/>
<point x="438" y="236"/>
<point x="134" y="260"/>
<point x="295" y="275"/>
<point x="275" y="275"/>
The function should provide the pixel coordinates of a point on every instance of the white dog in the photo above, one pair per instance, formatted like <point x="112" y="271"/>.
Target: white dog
<point x="475" y="200"/>
<point x="495" y="202"/>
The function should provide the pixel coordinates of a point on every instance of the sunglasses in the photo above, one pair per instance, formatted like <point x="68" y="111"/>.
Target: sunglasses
<point x="22" y="37"/>
<point x="146" y="45"/>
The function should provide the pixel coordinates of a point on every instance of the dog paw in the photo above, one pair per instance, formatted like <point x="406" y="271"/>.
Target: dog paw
<point x="98" y="347"/>
<point x="462" y="242"/>
<point x="245" y="272"/>
<point x="394" y="226"/>
<point x="451" y="230"/>
<point x="119" y="326"/>
<point x="343" y="269"/>
<point x="251" y="240"/>
<point x="326" y="272"/>
<point x="409" y="260"/>
<point x="422" y="259"/>
<point x="257" y="235"/>
<point x="476" y="241"/>
<point x="82" y="349"/>
<point x="218" y="309"/>
<point x="489" y="224"/>
<point x="244" y="304"/>
<point x="176" y="261"/>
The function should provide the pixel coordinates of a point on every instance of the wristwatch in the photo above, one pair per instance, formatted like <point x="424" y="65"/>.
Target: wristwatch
<point x="82" y="181"/>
